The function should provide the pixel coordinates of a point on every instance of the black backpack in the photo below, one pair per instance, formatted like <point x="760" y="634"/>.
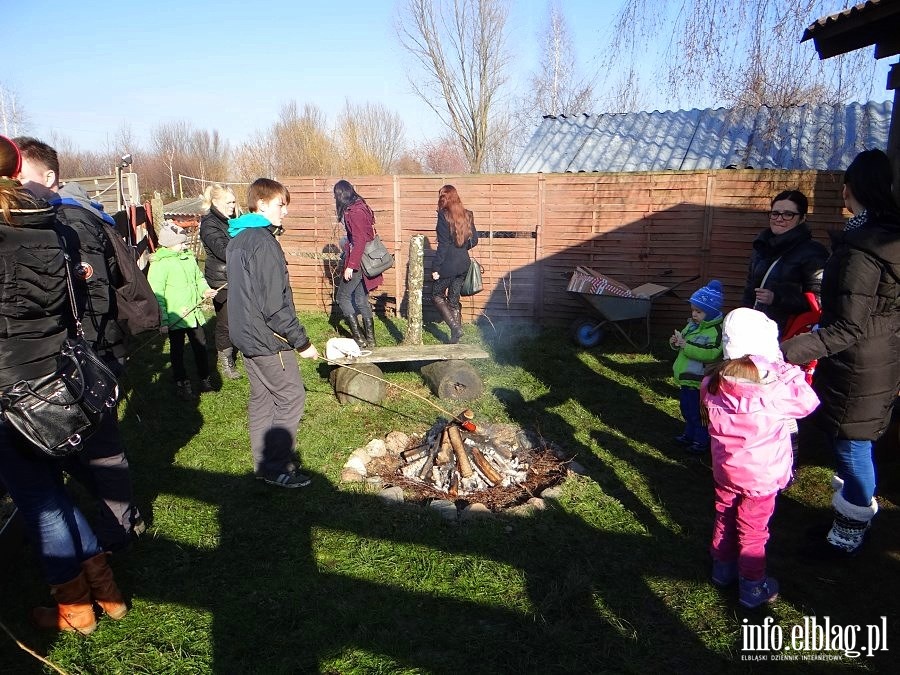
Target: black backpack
<point x="138" y="309"/>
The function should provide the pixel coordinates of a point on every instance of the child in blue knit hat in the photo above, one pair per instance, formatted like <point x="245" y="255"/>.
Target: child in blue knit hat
<point x="699" y="343"/>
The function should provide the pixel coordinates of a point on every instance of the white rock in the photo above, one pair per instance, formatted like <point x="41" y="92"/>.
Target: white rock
<point x="356" y="464"/>
<point x="351" y="476"/>
<point x="363" y="455"/>
<point x="576" y="468"/>
<point x="446" y="508"/>
<point x="396" y="442"/>
<point x="476" y="510"/>
<point x="376" y="448"/>
<point x="392" y="495"/>
<point x="538" y="503"/>
<point x="554" y="492"/>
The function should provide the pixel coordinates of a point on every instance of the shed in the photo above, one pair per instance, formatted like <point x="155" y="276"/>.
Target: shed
<point x="186" y="212"/>
<point x="874" y="22"/>
<point x="822" y="137"/>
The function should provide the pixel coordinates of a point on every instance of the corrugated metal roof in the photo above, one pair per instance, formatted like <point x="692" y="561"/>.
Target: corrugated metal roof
<point x="837" y="17"/>
<point x="804" y="137"/>
<point x="189" y="206"/>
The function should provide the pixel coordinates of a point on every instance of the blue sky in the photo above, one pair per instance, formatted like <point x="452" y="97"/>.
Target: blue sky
<point x="83" y="68"/>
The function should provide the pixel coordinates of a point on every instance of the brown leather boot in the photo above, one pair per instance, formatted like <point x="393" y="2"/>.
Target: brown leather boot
<point x="103" y="586"/>
<point x="447" y="315"/>
<point x="73" y="610"/>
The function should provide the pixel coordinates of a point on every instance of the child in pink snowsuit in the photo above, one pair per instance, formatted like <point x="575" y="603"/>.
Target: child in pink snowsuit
<point x="750" y="399"/>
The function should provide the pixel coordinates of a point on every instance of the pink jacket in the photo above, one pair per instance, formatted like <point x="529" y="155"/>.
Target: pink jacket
<point x="748" y="426"/>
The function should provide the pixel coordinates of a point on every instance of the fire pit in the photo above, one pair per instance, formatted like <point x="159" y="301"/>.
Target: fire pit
<point x="496" y="465"/>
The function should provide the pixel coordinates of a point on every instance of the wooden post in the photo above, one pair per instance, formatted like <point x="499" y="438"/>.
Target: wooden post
<point x="708" y="208"/>
<point x="415" y="281"/>
<point x="538" y="305"/>
<point x="156" y="211"/>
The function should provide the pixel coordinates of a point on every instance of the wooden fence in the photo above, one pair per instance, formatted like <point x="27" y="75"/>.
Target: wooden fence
<point x="535" y="229"/>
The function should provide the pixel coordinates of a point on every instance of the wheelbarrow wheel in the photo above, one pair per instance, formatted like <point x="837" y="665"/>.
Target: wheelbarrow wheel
<point x="587" y="333"/>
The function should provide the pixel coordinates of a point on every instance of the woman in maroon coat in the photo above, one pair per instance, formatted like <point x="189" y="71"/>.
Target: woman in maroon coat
<point x="353" y="288"/>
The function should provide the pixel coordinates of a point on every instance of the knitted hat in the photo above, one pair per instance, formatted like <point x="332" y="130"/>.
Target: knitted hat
<point x="171" y="236"/>
<point x="709" y="299"/>
<point x="746" y="331"/>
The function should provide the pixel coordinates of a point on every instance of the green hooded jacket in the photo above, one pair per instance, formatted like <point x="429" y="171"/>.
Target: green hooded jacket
<point x="179" y="285"/>
<point x="704" y="345"/>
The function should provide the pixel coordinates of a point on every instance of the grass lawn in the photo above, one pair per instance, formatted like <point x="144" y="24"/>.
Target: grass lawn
<point x="234" y="576"/>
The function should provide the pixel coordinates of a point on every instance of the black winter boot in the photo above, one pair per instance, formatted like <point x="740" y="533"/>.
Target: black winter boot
<point x="357" y="333"/>
<point x="447" y="314"/>
<point x="368" y="325"/>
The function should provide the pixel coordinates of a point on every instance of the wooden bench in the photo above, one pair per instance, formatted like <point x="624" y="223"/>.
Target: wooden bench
<point x="402" y="353"/>
<point x="448" y="376"/>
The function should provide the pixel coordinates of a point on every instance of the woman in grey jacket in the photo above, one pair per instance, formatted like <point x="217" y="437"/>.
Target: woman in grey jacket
<point x="857" y="343"/>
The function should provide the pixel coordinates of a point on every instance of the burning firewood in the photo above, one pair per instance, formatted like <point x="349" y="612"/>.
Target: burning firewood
<point x="462" y="458"/>
<point x="490" y="474"/>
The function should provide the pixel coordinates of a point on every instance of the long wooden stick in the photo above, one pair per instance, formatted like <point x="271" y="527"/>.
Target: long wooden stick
<point x="25" y="648"/>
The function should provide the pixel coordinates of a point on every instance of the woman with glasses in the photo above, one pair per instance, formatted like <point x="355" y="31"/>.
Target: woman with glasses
<point x="857" y="346"/>
<point x="786" y="261"/>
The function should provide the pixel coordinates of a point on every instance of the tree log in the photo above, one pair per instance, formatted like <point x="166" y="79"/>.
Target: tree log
<point x="351" y="385"/>
<point x="453" y="379"/>
<point x="492" y="476"/>
<point x="459" y="449"/>
<point x="446" y="450"/>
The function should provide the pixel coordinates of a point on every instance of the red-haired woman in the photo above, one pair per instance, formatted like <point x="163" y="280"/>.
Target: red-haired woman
<point x="456" y="234"/>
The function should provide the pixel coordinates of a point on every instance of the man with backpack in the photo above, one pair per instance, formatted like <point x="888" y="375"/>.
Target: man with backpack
<point x="97" y="271"/>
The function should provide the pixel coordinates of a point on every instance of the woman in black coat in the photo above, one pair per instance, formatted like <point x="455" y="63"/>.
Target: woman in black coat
<point x="456" y="234"/>
<point x="35" y="316"/>
<point x="857" y="344"/>
<point x="219" y="205"/>
<point x="786" y="261"/>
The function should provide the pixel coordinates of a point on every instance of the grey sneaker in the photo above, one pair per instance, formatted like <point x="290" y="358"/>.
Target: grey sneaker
<point x="287" y="479"/>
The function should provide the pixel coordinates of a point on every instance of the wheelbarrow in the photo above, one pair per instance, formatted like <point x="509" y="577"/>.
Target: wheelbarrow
<point x="617" y="303"/>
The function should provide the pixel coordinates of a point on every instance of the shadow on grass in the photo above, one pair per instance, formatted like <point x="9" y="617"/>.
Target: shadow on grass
<point x="597" y="596"/>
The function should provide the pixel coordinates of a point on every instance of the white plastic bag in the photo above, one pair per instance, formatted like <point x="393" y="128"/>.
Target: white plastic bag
<point x="341" y="348"/>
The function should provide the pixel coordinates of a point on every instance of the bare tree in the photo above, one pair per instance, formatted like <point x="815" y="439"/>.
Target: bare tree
<point x="207" y="156"/>
<point x="255" y="158"/>
<point x="742" y="53"/>
<point x="371" y="138"/>
<point x="459" y="46"/>
<point x="556" y="88"/>
<point x="301" y="142"/>
<point x="170" y="141"/>
<point x="13" y="120"/>
<point x="443" y="155"/>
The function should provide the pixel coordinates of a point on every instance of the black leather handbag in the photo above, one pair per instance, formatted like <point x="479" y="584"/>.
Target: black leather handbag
<point x="56" y="413"/>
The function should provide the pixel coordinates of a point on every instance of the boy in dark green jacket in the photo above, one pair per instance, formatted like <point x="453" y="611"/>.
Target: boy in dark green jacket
<point x="699" y="343"/>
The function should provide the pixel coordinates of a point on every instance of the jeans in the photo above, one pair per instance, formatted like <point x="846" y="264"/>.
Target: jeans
<point x="694" y="431"/>
<point x="857" y="469"/>
<point x="275" y="408"/>
<point x="353" y="298"/>
<point x="197" y="338"/>
<point x="103" y="469"/>
<point x="57" y="529"/>
<point x="741" y="531"/>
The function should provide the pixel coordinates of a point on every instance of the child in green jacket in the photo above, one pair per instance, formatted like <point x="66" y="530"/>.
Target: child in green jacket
<point x="180" y="289"/>
<point x="698" y="344"/>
